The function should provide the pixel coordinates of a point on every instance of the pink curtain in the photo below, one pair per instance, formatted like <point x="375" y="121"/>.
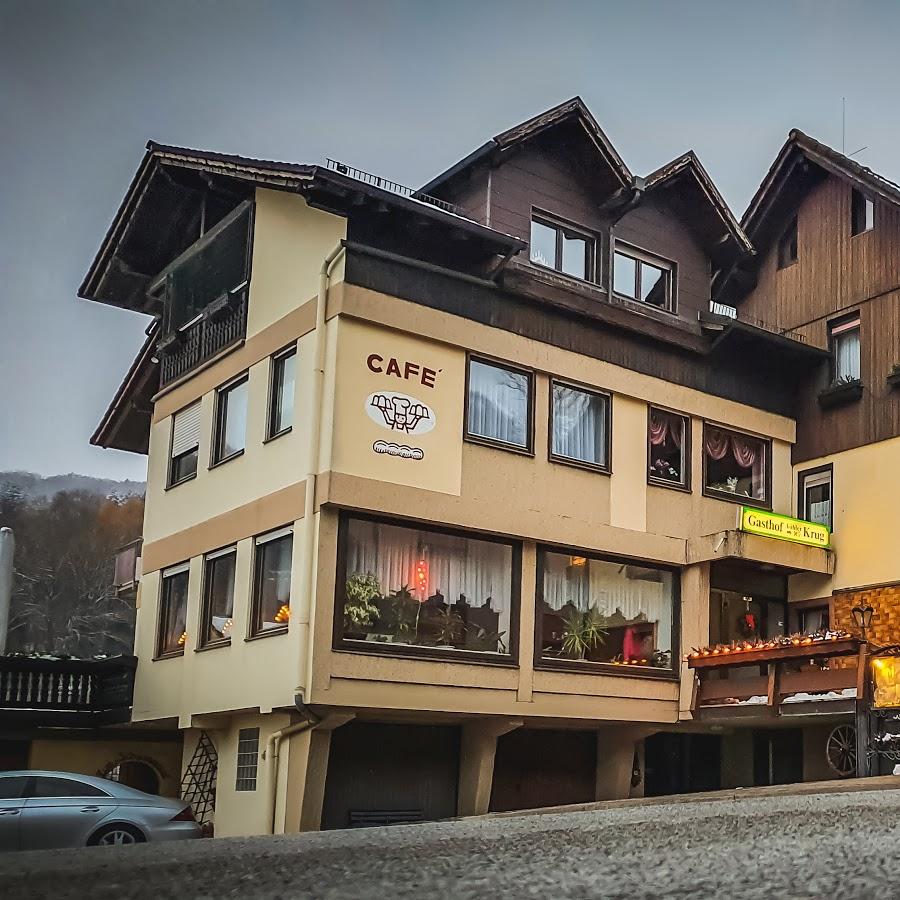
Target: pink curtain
<point x="663" y="427"/>
<point x="716" y="444"/>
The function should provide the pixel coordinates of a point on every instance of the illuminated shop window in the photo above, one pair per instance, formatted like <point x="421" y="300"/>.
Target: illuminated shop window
<point x="430" y="590"/>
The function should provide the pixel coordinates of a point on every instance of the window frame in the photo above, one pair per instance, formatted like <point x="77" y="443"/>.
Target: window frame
<point x="591" y="667"/>
<point x="837" y="328"/>
<point x="340" y="644"/>
<point x="565" y="229"/>
<point x="685" y="484"/>
<point x="220" y="419"/>
<point x="239" y="779"/>
<point x="603" y="469"/>
<point x="273" y="397"/>
<point x="783" y="258"/>
<point x="737" y="498"/>
<point x="860" y="198"/>
<point x="528" y="449"/>
<point x="254" y="632"/>
<point x="644" y="257"/>
<point x="170" y="469"/>
<point x="183" y="568"/>
<point x="205" y="606"/>
<point x="802" y="475"/>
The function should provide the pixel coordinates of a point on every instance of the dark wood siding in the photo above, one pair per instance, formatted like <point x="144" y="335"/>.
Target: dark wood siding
<point x="838" y="273"/>
<point x="655" y="229"/>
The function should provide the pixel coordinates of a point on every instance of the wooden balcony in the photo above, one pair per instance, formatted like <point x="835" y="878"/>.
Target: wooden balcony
<point x="221" y="325"/>
<point x="800" y="671"/>
<point x="60" y="693"/>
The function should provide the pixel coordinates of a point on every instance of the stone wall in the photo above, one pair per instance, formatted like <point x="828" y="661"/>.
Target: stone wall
<point x="885" y="600"/>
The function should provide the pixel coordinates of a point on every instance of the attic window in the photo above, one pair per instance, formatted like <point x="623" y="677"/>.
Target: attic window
<point x="639" y="276"/>
<point x="787" y="246"/>
<point x="561" y="248"/>
<point x="862" y="213"/>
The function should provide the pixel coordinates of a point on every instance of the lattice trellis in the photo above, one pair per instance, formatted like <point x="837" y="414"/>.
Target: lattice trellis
<point x="198" y="785"/>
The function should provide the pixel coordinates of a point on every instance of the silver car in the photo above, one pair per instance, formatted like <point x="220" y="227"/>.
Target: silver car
<point x="46" y="810"/>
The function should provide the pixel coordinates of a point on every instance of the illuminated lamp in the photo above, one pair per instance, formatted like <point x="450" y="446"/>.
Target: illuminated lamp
<point x="422" y="579"/>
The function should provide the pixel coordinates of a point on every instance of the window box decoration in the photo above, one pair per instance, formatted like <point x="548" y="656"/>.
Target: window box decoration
<point x="840" y="393"/>
<point x="893" y="378"/>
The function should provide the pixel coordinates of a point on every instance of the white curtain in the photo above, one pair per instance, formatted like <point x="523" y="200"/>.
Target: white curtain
<point x="846" y="354"/>
<point x="634" y="592"/>
<point x="579" y="425"/>
<point x="498" y="403"/>
<point x="461" y="569"/>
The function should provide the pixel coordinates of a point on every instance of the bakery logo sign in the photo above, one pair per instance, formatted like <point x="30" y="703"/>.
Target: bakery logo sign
<point x="402" y="415"/>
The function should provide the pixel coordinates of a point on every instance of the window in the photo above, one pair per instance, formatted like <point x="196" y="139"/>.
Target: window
<point x="593" y="610"/>
<point x="735" y="466"/>
<point x="814" y="619"/>
<point x="499" y="404"/>
<point x="862" y="213"/>
<point x="815" y="496"/>
<point x="12" y="787"/>
<point x="639" y="276"/>
<point x="410" y="587"/>
<point x="173" y="611"/>
<point x="579" y="426"/>
<point x="218" y="597"/>
<point x="247" y="759"/>
<point x="231" y="421"/>
<point x="669" y="442"/>
<point x="281" y="393"/>
<point x="561" y="248"/>
<point x="272" y="582"/>
<point x="185" y="444"/>
<point x="844" y="337"/>
<point x="51" y="786"/>
<point x="787" y="245"/>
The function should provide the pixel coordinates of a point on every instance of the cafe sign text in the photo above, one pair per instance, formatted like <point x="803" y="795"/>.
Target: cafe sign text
<point x="785" y="528"/>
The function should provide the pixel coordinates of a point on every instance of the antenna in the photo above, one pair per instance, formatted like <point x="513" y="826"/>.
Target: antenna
<point x="844" y="125"/>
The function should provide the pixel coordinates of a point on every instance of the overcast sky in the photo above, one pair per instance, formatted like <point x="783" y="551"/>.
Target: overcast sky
<point x="402" y="89"/>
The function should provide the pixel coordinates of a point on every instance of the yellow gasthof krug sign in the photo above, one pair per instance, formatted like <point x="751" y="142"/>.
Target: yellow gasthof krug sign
<point x="785" y="528"/>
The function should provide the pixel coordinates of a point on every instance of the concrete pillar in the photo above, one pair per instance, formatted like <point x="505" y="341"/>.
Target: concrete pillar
<point x="694" y="626"/>
<point x="307" y="769"/>
<point x="616" y="748"/>
<point x="476" y="763"/>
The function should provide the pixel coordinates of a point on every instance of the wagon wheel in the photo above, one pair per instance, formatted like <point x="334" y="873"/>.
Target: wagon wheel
<point x="840" y="750"/>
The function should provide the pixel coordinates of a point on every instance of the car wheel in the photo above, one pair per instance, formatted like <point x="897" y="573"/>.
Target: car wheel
<point x="116" y="835"/>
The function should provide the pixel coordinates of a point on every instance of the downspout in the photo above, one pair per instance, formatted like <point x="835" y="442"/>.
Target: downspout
<point x="308" y="531"/>
<point x="270" y="756"/>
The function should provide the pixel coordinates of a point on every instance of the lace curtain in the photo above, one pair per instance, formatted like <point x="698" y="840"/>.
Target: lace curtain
<point x="634" y="592"/>
<point x="498" y="403"/>
<point x="461" y="569"/>
<point x="579" y="424"/>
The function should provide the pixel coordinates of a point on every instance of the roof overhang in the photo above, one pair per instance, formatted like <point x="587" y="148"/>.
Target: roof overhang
<point x="753" y="342"/>
<point x="776" y="555"/>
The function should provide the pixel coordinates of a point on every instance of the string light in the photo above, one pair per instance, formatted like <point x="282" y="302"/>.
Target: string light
<point x="283" y="614"/>
<point x="776" y="643"/>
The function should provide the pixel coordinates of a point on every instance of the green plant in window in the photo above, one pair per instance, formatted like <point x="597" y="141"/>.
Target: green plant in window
<point x="360" y="609"/>
<point x="583" y="632"/>
<point x="478" y="638"/>
<point x="450" y="628"/>
<point x="403" y="612"/>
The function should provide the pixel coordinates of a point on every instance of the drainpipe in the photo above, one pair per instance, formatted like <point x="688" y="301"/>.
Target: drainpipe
<point x="7" y="550"/>
<point x="270" y="756"/>
<point x="308" y="531"/>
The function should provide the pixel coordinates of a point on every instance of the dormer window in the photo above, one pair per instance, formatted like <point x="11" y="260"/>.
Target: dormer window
<point x="787" y="246"/>
<point x="561" y="248"/>
<point x="862" y="213"/>
<point x="639" y="276"/>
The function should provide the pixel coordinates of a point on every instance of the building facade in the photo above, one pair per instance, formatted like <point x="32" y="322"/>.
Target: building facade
<point x="445" y="485"/>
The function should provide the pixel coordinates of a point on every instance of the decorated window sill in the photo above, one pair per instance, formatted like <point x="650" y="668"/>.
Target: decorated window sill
<point x="840" y="394"/>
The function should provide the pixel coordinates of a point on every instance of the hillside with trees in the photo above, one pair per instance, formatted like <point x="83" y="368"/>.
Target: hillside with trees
<point x="63" y="600"/>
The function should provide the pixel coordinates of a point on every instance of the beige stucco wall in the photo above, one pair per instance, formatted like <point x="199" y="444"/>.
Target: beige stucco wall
<point x="866" y="494"/>
<point x="290" y="241"/>
<point x="93" y="757"/>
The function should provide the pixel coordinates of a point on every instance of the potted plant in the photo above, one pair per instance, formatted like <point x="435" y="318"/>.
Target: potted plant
<point x="893" y="378"/>
<point x="360" y="609"/>
<point x="844" y="389"/>
<point x="583" y="632"/>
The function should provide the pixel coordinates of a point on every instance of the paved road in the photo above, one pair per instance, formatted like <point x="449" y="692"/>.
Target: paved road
<point x="838" y="846"/>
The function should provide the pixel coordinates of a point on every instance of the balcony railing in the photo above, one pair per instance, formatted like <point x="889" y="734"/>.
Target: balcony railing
<point x="796" y="670"/>
<point x="59" y="692"/>
<point x="221" y="324"/>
